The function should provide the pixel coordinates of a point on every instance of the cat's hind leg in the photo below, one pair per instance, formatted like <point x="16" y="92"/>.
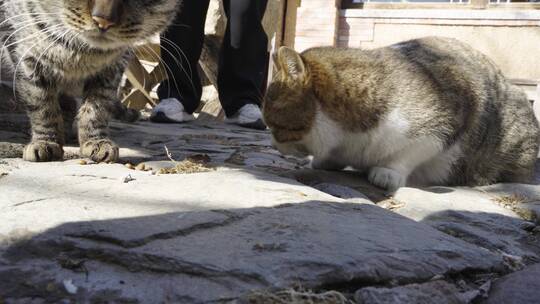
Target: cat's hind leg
<point x="393" y="173"/>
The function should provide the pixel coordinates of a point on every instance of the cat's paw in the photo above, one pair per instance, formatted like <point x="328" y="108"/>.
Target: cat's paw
<point x="43" y="151"/>
<point x="385" y="178"/>
<point x="100" y="150"/>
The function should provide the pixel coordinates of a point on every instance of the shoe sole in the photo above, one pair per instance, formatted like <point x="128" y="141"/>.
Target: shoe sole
<point x="160" y="117"/>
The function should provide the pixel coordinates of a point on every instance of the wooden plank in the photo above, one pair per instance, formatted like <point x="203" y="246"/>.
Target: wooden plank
<point x="135" y="100"/>
<point x="138" y="77"/>
<point x="289" y="33"/>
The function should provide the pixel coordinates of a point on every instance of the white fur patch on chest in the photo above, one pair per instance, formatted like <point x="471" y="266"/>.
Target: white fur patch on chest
<point x="359" y="149"/>
<point x="388" y="145"/>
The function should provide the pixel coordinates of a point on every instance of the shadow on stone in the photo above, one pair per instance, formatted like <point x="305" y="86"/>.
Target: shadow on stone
<point x="223" y="255"/>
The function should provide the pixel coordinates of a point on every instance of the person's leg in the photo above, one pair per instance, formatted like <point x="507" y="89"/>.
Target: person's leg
<point x="244" y="57"/>
<point x="187" y="34"/>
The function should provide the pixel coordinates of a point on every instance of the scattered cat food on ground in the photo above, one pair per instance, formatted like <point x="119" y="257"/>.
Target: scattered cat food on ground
<point x="86" y="162"/>
<point x="391" y="204"/>
<point x="51" y="287"/>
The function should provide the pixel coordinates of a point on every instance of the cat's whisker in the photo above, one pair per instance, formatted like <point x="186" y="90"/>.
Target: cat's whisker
<point x="47" y="49"/>
<point x="189" y="76"/>
<point x="179" y="50"/>
<point x="23" y="57"/>
<point x="16" y="31"/>
<point x="28" y="14"/>
<point x="181" y="25"/>
<point x="73" y="38"/>
<point x="32" y="36"/>
<point x="4" y="46"/>
<point x="167" y="67"/>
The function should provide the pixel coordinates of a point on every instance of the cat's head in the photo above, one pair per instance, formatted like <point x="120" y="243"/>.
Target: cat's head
<point x="107" y="24"/>
<point x="290" y="104"/>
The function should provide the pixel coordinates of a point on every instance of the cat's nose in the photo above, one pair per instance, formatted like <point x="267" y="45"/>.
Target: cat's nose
<point x="102" y="23"/>
<point x="106" y="13"/>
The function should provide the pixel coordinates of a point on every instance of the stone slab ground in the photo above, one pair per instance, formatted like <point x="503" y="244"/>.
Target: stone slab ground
<point x="257" y="227"/>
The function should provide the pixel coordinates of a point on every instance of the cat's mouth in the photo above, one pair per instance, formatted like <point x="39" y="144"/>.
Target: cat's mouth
<point x="102" y="40"/>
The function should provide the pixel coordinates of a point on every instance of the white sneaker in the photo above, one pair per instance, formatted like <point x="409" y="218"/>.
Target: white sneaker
<point x="249" y="116"/>
<point x="170" y="110"/>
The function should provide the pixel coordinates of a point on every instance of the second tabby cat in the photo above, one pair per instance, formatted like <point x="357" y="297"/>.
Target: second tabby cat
<point x="428" y="111"/>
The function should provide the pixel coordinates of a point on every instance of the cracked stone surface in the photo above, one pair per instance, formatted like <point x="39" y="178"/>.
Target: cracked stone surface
<point x="473" y="215"/>
<point x="230" y="253"/>
<point x="432" y="292"/>
<point x="257" y="223"/>
<point x="519" y="287"/>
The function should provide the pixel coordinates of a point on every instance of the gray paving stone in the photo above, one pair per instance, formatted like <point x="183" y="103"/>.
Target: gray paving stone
<point x="521" y="287"/>
<point x="473" y="216"/>
<point x="213" y="256"/>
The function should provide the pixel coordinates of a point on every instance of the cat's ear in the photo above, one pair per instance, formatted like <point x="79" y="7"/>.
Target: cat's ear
<point x="291" y="63"/>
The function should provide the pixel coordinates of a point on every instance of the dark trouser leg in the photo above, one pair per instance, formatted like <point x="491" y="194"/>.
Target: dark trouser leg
<point x="243" y="65"/>
<point x="187" y="33"/>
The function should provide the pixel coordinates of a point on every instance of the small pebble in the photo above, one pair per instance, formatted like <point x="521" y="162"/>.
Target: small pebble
<point x="130" y="166"/>
<point x="70" y="287"/>
<point x="83" y="162"/>
<point x="128" y="179"/>
<point x="141" y="167"/>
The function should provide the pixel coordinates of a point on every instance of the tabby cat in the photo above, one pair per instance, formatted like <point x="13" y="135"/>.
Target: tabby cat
<point x="429" y="111"/>
<point x="67" y="49"/>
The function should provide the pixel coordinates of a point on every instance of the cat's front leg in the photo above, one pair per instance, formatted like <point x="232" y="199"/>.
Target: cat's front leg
<point x="94" y="116"/>
<point x="393" y="174"/>
<point x="386" y="178"/>
<point x="45" y="115"/>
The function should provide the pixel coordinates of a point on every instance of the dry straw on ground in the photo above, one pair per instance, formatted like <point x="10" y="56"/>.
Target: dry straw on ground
<point x="192" y="164"/>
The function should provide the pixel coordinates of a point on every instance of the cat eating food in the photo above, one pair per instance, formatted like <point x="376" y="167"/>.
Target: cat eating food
<point x="430" y="111"/>
<point x="67" y="49"/>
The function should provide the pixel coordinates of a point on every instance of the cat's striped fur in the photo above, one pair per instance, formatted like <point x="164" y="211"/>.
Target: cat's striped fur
<point x="57" y="53"/>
